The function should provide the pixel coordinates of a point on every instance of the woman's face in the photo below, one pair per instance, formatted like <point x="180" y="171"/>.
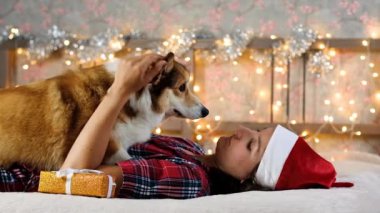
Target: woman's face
<point x="240" y="154"/>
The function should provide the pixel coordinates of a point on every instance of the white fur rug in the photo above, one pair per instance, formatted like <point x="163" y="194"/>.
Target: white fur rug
<point x="361" y="168"/>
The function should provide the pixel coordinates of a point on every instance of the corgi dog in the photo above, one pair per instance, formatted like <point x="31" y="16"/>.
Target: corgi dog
<point x="40" y="121"/>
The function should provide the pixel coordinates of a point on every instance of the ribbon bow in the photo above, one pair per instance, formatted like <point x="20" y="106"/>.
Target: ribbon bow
<point x="69" y="173"/>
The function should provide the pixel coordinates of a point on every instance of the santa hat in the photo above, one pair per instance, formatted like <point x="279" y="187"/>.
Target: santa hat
<point x="290" y="163"/>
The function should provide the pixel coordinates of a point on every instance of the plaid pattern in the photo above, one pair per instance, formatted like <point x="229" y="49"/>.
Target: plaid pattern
<point x="19" y="178"/>
<point x="164" y="167"/>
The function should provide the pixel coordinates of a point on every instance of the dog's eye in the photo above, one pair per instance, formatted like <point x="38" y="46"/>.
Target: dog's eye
<point x="182" y="88"/>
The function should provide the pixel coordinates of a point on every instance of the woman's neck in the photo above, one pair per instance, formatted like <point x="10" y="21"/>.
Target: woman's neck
<point x="209" y="160"/>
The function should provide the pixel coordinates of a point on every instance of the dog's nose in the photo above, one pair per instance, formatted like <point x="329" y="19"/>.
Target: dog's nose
<point x="204" y="112"/>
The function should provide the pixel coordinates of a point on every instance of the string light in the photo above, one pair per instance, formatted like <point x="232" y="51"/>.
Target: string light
<point x="372" y="65"/>
<point x="377" y="95"/>
<point x="68" y="62"/>
<point x="332" y="52"/>
<point x="273" y="37"/>
<point x="111" y="56"/>
<point x="66" y="42"/>
<point x="259" y="70"/>
<point x="217" y="117"/>
<point x="158" y="130"/>
<point x="362" y="57"/>
<point x="227" y="41"/>
<point x="196" y="88"/>
<point x="279" y="69"/>
<point x="251" y="112"/>
<point x="372" y="110"/>
<point x="316" y="140"/>
<point x="293" y="122"/>
<point x="304" y="133"/>
<point x="20" y="51"/>
<point x="331" y="119"/>
<point x="199" y="126"/>
<point x="215" y="139"/>
<point x="276" y="108"/>
<point x="103" y="56"/>
<point x="25" y="66"/>
<point x="199" y="137"/>
<point x="344" y="129"/>
<point x="326" y="118"/>
<point x="365" y="43"/>
<point x="353" y="117"/>
<point x="187" y="59"/>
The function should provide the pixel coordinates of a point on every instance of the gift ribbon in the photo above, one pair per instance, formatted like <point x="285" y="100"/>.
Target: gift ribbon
<point x="69" y="173"/>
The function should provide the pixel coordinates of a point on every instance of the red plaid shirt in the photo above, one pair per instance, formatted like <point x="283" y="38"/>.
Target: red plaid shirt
<point x="163" y="167"/>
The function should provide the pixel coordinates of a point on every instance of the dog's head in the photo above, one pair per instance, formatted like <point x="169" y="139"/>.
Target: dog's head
<point x="171" y="92"/>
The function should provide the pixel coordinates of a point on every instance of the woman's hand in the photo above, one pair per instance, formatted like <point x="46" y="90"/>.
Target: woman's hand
<point x="133" y="74"/>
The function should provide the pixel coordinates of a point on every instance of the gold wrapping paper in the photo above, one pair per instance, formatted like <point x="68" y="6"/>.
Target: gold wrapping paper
<point x="85" y="184"/>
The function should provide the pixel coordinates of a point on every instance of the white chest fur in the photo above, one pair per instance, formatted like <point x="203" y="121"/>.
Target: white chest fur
<point x="137" y="129"/>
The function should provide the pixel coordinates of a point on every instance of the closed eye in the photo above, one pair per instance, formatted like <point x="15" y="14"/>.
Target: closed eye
<point x="249" y="144"/>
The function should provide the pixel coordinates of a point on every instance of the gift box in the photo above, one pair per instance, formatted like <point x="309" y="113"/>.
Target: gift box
<point x="83" y="182"/>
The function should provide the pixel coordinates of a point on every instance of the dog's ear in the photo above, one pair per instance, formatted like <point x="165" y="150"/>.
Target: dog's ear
<point x="169" y="58"/>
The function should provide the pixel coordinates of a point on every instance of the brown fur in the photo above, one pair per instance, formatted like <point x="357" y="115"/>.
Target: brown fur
<point x="49" y="115"/>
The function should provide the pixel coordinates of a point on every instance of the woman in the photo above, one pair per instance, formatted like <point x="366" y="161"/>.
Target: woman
<point x="164" y="166"/>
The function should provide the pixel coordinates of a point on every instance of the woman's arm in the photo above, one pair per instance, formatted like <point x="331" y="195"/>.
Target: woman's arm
<point x="89" y="148"/>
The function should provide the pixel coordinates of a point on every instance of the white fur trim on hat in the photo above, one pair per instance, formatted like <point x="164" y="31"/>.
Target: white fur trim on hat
<point x="280" y="145"/>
